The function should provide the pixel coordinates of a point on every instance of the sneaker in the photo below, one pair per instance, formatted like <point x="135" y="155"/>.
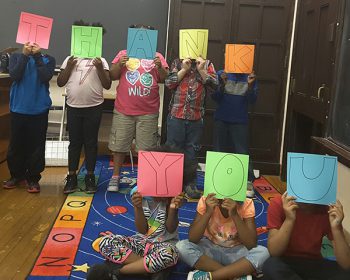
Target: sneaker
<point x="192" y="192"/>
<point x="13" y="182"/>
<point x="246" y="277"/>
<point x="33" y="187"/>
<point x="250" y="190"/>
<point x="199" y="275"/>
<point x="90" y="185"/>
<point x="71" y="184"/>
<point x="113" y="185"/>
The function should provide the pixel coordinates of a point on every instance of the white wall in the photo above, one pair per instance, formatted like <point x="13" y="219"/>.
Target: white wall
<point x="344" y="193"/>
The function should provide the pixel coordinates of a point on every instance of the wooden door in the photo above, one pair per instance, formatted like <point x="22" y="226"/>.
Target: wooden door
<point x="313" y="70"/>
<point x="267" y="24"/>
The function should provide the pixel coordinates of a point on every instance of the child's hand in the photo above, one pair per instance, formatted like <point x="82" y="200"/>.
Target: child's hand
<point x="211" y="202"/>
<point x="122" y="61"/>
<point x="157" y="62"/>
<point x="289" y="206"/>
<point x="27" y="49"/>
<point x="186" y="64"/>
<point x="336" y="214"/>
<point x="97" y="62"/>
<point x="137" y="200"/>
<point x="72" y="61"/>
<point x="223" y="77"/>
<point x="177" y="201"/>
<point x="251" y="79"/>
<point x="230" y="205"/>
<point x="200" y="63"/>
<point x="36" y="48"/>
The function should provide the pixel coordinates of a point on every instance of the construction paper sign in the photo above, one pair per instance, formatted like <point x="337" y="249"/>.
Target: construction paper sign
<point x="239" y="58"/>
<point x="193" y="43"/>
<point x="226" y="175"/>
<point x="160" y="174"/>
<point x="312" y="178"/>
<point x="142" y="43"/>
<point x="34" y="29"/>
<point x="86" y="41"/>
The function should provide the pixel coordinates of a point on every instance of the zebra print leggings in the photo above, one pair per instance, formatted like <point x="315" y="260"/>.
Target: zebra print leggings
<point x="157" y="256"/>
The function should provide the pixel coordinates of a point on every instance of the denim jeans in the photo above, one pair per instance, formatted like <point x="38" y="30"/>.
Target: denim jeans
<point x="185" y="134"/>
<point x="191" y="252"/>
<point x="232" y="138"/>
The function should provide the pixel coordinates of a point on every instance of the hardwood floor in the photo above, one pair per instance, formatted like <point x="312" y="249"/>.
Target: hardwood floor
<point x="25" y="221"/>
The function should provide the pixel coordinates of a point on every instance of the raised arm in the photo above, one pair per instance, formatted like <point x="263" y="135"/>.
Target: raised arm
<point x="103" y="74"/>
<point x="65" y="73"/>
<point x="278" y="239"/>
<point x="116" y="68"/>
<point x="18" y="63"/>
<point x="45" y="70"/>
<point x="218" y="94"/>
<point x="140" y="219"/>
<point x="245" y="227"/>
<point x="341" y="247"/>
<point x="172" y="221"/>
<point x="175" y="76"/>
<point x="207" y="71"/>
<point x="201" y="221"/>
<point x="163" y="72"/>
<point x="252" y="92"/>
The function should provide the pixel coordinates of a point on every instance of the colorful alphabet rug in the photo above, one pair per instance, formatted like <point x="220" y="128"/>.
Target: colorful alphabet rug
<point x="68" y="251"/>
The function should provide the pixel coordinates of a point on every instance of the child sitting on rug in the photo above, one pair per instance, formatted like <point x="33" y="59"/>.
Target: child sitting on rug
<point x="151" y="251"/>
<point x="295" y="239"/>
<point x="222" y="240"/>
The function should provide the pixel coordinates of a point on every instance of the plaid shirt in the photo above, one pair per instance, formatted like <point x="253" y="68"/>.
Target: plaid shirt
<point x="189" y="94"/>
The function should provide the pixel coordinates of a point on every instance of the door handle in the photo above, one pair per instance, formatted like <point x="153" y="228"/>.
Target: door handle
<point x="320" y="89"/>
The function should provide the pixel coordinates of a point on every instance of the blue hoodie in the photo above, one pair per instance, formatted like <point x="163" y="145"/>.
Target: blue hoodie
<point x="233" y="98"/>
<point x="30" y="89"/>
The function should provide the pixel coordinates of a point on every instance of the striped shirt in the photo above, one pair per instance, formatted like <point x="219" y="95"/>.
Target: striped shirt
<point x="189" y="94"/>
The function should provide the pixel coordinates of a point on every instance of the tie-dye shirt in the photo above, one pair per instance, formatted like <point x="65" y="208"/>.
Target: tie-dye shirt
<point x="156" y="214"/>
<point x="138" y="89"/>
<point x="222" y="231"/>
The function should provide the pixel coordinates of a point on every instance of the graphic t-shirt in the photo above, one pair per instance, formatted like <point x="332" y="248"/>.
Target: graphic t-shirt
<point x="308" y="230"/>
<point x="138" y="89"/>
<point x="156" y="213"/>
<point x="222" y="231"/>
<point x="84" y="88"/>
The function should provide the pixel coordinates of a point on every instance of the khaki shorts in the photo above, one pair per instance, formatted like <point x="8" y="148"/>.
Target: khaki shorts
<point x="125" y="128"/>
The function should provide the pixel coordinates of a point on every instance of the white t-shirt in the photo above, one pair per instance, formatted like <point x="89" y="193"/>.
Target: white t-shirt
<point x="84" y="88"/>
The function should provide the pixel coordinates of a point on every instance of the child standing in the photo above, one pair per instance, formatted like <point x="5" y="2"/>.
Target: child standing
<point x="136" y="105"/>
<point x="234" y="94"/>
<point x="30" y="102"/>
<point x="295" y="239"/>
<point x="222" y="240"/>
<point x="85" y="80"/>
<point x="189" y="81"/>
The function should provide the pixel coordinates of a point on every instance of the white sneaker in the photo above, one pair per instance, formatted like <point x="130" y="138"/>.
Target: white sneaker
<point x="113" y="185"/>
<point x="250" y="190"/>
<point x="246" y="277"/>
<point x="199" y="275"/>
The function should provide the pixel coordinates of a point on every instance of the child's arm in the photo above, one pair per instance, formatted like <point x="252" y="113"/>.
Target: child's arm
<point x="116" y="68"/>
<point x="252" y="92"/>
<point x="218" y="94"/>
<point x="163" y="72"/>
<point x="201" y="221"/>
<point x="172" y="220"/>
<point x="245" y="227"/>
<point x="103" y="74"/>
<point x="65" y="73"/>
<point x="208" y="74"/>
<point x="278" y="239"/>
<point x="18" y="63"/>
<point x="45" y="71"/>
<point x="140" y="219"/>
<point x="175" y="76"/>
<point x="341" y="247"/>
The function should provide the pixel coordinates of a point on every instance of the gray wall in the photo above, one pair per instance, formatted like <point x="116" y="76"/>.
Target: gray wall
<point x="115" y="15"/>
